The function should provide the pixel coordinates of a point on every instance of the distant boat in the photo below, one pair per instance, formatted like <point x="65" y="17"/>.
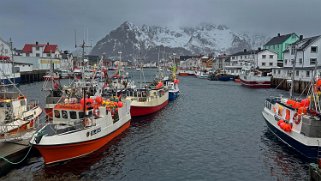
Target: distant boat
<point x="221" y="77"/>
<point x="173" y="90"/>
<point x="255" y="79"/>
<point x="202" y="75"/>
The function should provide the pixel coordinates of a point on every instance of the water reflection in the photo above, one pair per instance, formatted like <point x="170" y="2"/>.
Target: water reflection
<point x="284" y="162"/>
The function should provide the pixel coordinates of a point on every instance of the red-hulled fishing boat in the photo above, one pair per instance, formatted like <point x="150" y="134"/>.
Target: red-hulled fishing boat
<point x="78" y="130"/>
<point x="148" y="101"/>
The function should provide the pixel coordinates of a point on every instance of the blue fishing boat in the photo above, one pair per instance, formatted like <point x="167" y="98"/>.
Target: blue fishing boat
<point x="173" y="90"/>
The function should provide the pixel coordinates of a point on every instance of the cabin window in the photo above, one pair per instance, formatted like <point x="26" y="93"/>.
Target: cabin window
<point x="271" y="56"/>
<point x="27" y="54"/>
<point x="81" y="115"/>
<point x="90" y="113"/>
<point x="48" y="55"/>
<point x="313" y="61"/>
<point x="57" y="114"/>
<point x="64" y="114"/>
<point x="73" y="115"/>
<point x="314" y="49"/>
<point x="37" y="54"/>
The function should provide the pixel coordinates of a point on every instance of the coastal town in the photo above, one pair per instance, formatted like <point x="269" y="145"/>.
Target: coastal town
<point x="160" y="90"/>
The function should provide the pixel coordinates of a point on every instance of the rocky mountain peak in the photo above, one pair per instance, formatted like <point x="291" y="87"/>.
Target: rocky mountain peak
<point x="147" y="40"/>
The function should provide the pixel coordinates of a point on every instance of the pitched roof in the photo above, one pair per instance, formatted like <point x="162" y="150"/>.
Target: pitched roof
<point x="307" y="41"/>
<point x="28" y="47"/>
<point x="248" y="52"/>
<point x="48" y="48"/>
<point x="278" y="39"/>
<point x="304" y="43"/>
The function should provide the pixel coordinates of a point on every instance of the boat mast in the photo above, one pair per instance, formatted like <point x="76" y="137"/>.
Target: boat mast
<point x="13" y="69"/>
<point x="293" y="69"/>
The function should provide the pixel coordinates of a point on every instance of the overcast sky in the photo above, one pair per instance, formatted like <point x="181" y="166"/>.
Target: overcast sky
<point x="54" y="21"/>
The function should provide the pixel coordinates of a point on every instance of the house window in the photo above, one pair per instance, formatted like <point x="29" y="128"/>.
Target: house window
<point x="308" y="73"/>
<point x="263" y="56"/>
<point x="297" y="73"/>
<point x="48" y="55"/>
<point x="300" y="61"/>
<point x="37" y="54"/>
<point x="271" y="56"/>
<point x="313" y="61"/>
<point x="279" y="71"/>
<point x="274" y="71"/>
<point x="27" y="54"/>
<point x="271" y="63"/>
<point x="314" y="49"/>
<point x="37" y="48"/>
<point x="241" y="56"/>
<point x="292" y="50"/>
<point x="263" y="63"/>
<point x="286" y="61"/>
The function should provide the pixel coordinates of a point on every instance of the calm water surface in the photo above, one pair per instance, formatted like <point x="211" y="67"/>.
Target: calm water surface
<point x="213" y="131"/>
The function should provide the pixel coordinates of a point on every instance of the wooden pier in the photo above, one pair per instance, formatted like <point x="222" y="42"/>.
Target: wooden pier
<point x="32" y="76"/>
<point x="299" y="86"/>
<point x="13" y="151"/>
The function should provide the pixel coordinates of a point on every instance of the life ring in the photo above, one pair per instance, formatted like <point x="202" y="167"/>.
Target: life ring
<point x="96" y="112"/>
<point x="297" y="118"/>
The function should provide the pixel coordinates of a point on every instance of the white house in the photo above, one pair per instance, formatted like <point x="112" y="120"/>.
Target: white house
<point x="264" y="60"/>
<point x="41" y="56"/>
<point x="307" y="56"/>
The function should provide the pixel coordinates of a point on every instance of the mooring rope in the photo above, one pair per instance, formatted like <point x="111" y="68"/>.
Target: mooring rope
<point x="16" y="163"/>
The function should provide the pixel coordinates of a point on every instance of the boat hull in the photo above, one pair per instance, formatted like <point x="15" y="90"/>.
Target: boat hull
<point x="15" y="80"/>
<point x="183" y="74"/>
<point x="173" y="95"/>
<point x="143" y="111"/>
<point x="256" y="84"/>
<point x="58" y="153"/>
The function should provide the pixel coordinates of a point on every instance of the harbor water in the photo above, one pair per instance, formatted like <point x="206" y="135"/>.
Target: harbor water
<point x="213" y="131"/>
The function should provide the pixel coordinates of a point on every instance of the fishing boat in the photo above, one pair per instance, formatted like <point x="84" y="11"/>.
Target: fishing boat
<point x="80" y="128"/>
<point x="146" y="101"/>
<point x="254" y="79"/>
<point x="221" y="76"/>
<point x="172" y="83"/>
<point x="297" y="122"/>
<point x="202" y="74"/>
<point x="17" y="115"/>
<point x="182" y="72"/>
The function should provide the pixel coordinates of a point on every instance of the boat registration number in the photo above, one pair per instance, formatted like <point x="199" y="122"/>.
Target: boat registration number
<point x="95" y="131"/>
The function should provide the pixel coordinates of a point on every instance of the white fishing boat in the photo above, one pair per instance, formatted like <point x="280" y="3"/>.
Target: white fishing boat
<point x="17" y="115"/>
<point x="80" y="128"/>
<point x="254" y="79"/>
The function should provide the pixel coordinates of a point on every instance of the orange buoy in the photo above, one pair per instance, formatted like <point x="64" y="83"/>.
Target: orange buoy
<point x="318" y="83"/>
<point x="120" y="104"/>
<point x="99" y="99"/>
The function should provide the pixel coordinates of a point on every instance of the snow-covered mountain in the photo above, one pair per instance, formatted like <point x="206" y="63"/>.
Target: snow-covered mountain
<point x="151" y="42"/>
